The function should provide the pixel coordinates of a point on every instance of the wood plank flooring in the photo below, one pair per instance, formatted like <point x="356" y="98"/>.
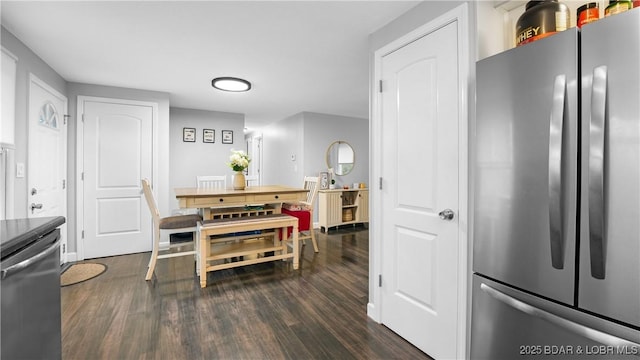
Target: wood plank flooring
<point x="263" y="311"/>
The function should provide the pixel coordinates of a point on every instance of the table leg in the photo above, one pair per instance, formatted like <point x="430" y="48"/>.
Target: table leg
<point x="206" y="214"/>
<point x="296" y="251"/>
<point x="203" y="254"/>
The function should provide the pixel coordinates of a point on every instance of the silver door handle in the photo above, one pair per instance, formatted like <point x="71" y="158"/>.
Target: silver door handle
<point x="556" y="233"/>
<point x="446" y="214"/>
<point x="597" y="157"/>
<point x="597" y="166"/>
<point x="581" y="330"/>
<point x="35" y="206"/>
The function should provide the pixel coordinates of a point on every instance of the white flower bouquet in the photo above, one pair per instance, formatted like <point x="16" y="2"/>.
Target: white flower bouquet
<point x="238" y="161"/>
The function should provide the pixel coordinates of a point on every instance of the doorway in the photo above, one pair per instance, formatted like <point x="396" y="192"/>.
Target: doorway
<point x="254" y="150"/>
<point x="117" y="152"/>
<point x="47" y="155"/>
<point x="420" y="206"/>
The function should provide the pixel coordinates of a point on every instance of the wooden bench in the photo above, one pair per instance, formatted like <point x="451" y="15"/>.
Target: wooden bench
<point x="249" y="246"/>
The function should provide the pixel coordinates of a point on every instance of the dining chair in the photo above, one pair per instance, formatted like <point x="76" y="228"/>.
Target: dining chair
<point x="212" y="181"/>
<point x="252" y="180"/>
<point x="303" y="210"/>
<point x="165" y="226"/>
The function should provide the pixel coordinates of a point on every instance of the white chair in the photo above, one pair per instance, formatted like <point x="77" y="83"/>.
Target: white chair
<point x="252" y="180"/>
<point x="211" y="182"/>
<point x="303" y="210"/>
<point x="167" y="226"/>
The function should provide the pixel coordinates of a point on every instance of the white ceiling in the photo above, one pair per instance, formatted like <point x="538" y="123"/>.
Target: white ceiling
<point x="299" y="55"/>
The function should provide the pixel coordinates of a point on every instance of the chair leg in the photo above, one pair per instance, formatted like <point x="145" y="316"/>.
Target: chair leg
<point x="154" y="253"/>
<point x="313" y="240"/>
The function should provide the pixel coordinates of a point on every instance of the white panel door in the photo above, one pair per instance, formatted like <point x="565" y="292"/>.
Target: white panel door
<point x="254" y="149"/>
<point x="117" y="156"/>
<point x="420" y="117"/>
<point x="47" y="166"/>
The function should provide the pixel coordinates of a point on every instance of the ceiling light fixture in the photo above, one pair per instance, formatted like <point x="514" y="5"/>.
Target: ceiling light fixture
<point x="231" y="84"/>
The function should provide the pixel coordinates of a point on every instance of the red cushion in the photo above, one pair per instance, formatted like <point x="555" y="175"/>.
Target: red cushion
<point x="304" y="220"/>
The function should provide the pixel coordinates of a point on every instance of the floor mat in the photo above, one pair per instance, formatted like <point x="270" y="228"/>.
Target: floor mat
<point x="78" y="273"/>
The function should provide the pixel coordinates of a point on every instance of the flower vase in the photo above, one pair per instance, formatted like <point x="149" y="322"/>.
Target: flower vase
<point x="239" y="181"/>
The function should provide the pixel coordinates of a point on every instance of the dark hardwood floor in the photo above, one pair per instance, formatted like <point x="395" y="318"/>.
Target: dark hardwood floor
<point x="263" y="311"/>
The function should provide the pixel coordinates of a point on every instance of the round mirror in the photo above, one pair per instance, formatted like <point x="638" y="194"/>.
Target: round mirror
<point x="340" y="157"/>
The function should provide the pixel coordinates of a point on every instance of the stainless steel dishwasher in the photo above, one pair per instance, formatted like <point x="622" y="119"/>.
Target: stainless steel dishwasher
<point x="30" y="288"/>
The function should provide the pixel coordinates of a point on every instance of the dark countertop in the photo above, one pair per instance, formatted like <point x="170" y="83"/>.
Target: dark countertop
<point x="19" y="233"/>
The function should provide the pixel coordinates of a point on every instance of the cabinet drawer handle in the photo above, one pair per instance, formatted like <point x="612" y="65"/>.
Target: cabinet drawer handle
<point x="277" y="197"/>
<point x="221" y="200"/>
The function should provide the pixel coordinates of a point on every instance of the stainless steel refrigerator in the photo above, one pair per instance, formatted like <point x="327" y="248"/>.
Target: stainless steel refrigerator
<point x="556" y="223"/>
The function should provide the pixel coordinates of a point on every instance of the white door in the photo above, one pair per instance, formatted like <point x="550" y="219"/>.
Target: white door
<point x="47" y="157"/>
<point x="117" y="155"/>
<point x="254" y="149"/>
<point x="420" y="114"/>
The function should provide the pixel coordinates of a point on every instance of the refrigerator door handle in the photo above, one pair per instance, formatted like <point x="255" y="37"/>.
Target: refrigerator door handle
<point x="556" y="233"/>
<point x="597" y="135"/>
<point x="30" y="261"/>
<point x="584" y="331"/>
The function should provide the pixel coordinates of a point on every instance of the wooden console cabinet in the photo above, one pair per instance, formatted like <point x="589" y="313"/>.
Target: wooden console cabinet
<point x="342" y="207"/>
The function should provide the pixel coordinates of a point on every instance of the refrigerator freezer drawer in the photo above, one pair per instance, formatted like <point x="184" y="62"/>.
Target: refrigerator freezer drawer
<point x="510" y="324"/>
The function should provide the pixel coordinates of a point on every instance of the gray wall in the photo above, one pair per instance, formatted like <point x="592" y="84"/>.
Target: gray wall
<point x="320" y="130"/>
<point x="190" y="159"/>
<point x="281" y="140"/>
<point x="307" y="136"/>
<point x="28" y="62"/>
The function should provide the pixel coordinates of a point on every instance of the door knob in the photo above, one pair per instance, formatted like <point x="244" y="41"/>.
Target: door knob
<point x="35" y="206"/>
<point x="446" y="214"/>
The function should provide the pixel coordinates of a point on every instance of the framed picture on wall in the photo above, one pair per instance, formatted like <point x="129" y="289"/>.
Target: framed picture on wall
<point x="189" y="134"/>
<point x="324" y="180"/>
<point x="227" y="137"/>
<point x="208" y="135"/>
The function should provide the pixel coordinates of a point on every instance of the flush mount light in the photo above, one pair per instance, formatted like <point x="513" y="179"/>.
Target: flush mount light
<point x="231" y="84"/>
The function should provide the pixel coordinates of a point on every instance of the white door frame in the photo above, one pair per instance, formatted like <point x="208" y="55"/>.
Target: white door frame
<point x="80" y="157"/>
<point x="465" y="66"/>
<point x="7" y="142"/>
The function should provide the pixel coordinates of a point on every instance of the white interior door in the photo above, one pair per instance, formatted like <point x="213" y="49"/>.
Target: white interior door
<point x="420" y="114"/>
<point x="117" y="155"/>
<point x="254" y="149"/>
<point x="47" y="157"/>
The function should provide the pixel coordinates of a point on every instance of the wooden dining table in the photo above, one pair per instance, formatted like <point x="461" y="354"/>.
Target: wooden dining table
<point x="237" y="210"/>
<point x="210" y="200"/>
